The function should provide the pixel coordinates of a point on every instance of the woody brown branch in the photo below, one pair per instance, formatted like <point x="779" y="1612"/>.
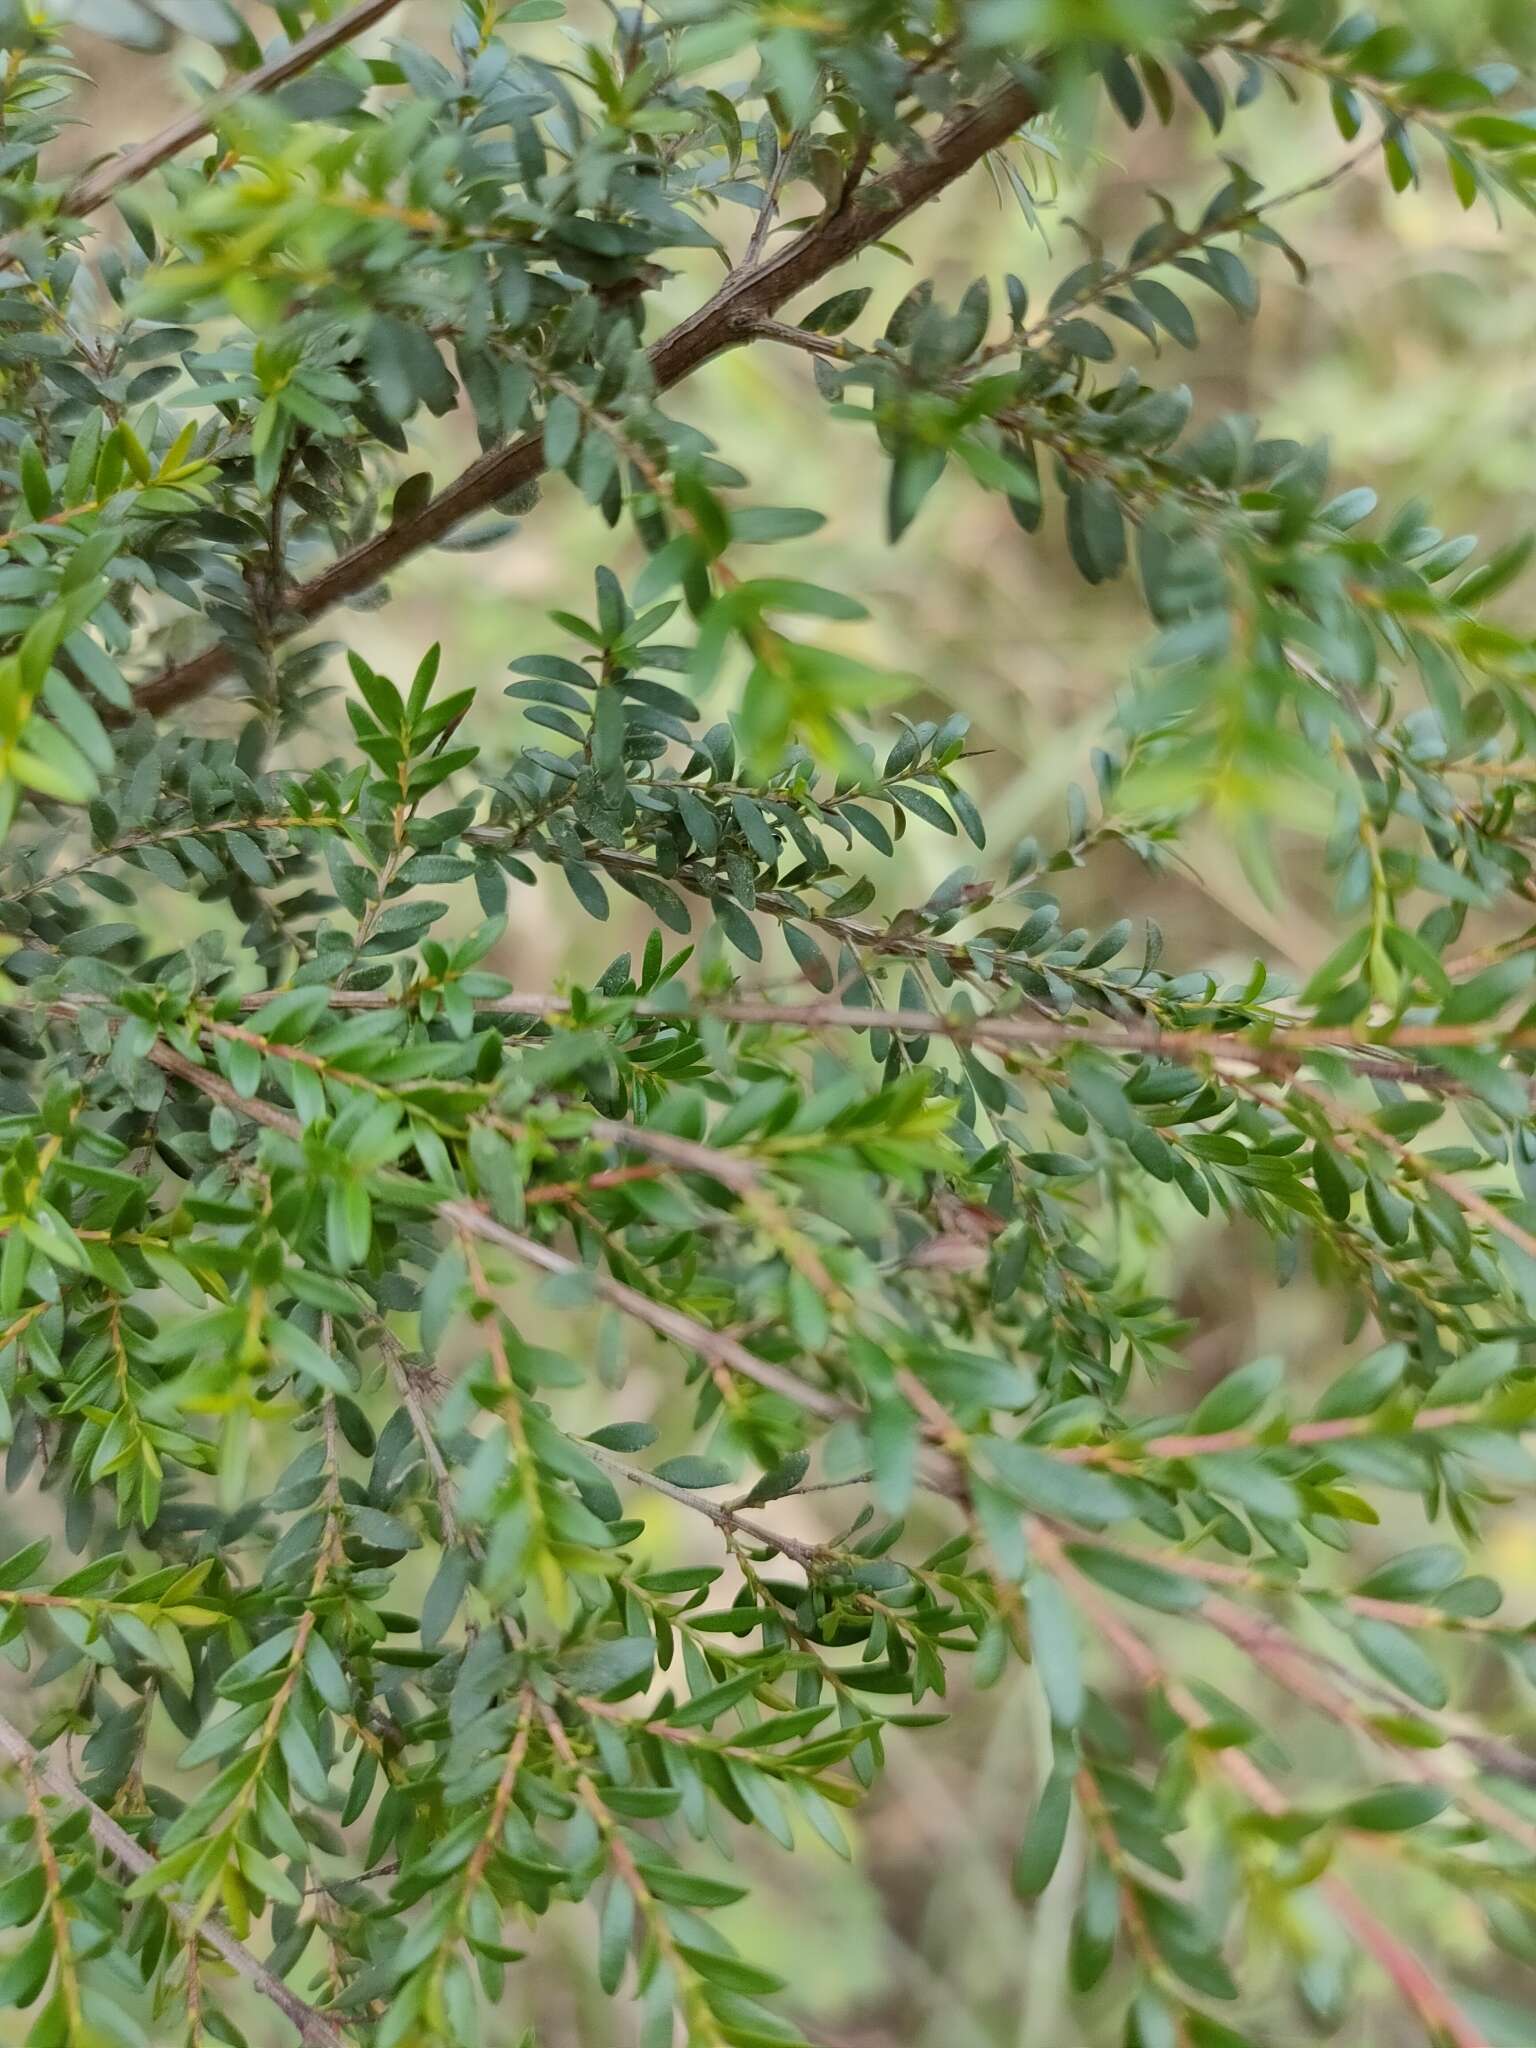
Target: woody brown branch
<point x="725" y="321"/>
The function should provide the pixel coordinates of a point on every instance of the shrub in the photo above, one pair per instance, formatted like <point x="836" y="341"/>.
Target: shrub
<point x="326" y="1245"/>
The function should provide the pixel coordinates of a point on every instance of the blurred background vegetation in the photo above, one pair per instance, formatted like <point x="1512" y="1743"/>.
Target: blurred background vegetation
<point x="1408" y="347"/>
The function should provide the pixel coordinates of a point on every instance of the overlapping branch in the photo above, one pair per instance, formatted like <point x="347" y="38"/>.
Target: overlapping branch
<point x="314" y="2029"/>
<point x="1286" y="1046"/>
<point x="102" y="183"/>
<point x="724" y="321"/>
<point x="1419" y="1990"/>
<point x="944" y="1470"/>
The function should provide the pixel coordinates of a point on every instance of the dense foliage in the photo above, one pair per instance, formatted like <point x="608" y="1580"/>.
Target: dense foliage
<point x="349" y="1656"/>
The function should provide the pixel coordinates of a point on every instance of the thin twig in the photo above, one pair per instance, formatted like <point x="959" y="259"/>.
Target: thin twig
<point x="716" y="1345"/>
<point x="315" y="2030"/>
<point x="107" y="179"/>
<point x="768" y="212"/>
<point x="1421" y="1992"/>
<point x="722" y="322"/>
<point x="1333" y="1430"/>
<point x="426" y="1435"/>
<point x="810" y="1557"/>
<point x="1279" y="1054"/>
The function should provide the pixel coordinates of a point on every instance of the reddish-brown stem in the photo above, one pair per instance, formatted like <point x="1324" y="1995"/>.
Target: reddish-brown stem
<point x="1417" y="1988"/>
<point x="314" y="2029"/>
<point x="1279" y="1054"/>
<point x="722" y="322"/>
<point x="1336" y="1430"/>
